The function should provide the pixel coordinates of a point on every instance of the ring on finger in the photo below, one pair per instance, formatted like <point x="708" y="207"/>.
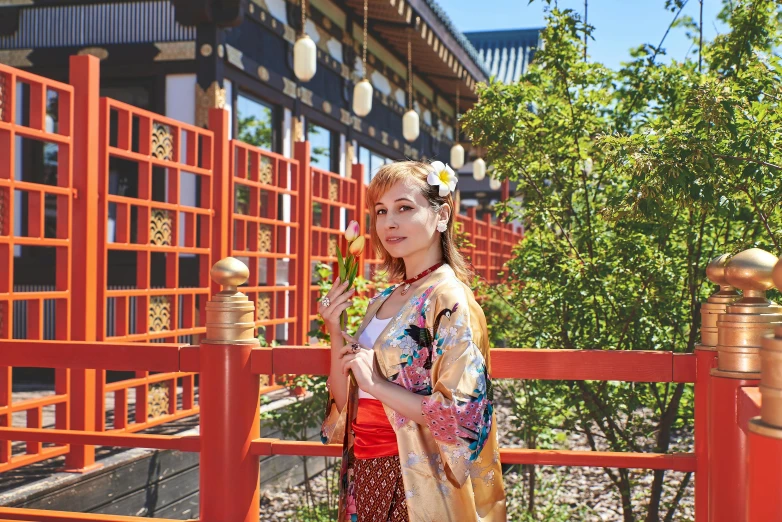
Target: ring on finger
<point x="325" y="301"/>
<point x="355" y="348"/>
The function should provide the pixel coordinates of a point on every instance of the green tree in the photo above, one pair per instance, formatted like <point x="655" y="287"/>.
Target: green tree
<point x="631" y="181"/>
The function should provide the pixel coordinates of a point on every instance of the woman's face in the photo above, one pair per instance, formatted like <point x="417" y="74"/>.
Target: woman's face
<point x="405" y="221"/>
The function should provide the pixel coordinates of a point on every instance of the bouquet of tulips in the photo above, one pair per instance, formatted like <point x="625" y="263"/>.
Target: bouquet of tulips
<point x="348" y="265"/>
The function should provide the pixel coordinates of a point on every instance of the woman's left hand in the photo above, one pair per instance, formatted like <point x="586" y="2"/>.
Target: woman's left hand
<point x="363" y="366"/>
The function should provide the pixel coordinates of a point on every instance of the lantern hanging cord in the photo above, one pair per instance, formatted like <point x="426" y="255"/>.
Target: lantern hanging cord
<point x="364" y="59"/>
<point x="457" y="114"/>
<point x="303" y="16"/>
<point x="409" y="71"/>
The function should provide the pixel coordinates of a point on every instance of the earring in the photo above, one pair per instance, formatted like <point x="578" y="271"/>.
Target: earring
<point x="441" y="226"/>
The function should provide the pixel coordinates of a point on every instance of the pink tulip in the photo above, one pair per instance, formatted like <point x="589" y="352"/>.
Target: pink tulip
<point x="357" y="246"/>
<point x="351" y="233"/>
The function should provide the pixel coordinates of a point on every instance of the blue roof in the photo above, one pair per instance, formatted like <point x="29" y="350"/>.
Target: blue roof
<point x="460" y="37"/>
<point x="505" y="53"/>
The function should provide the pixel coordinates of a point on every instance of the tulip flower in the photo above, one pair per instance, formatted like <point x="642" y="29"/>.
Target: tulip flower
<point x="352" y="232"/>
<point x="357" y="246"/>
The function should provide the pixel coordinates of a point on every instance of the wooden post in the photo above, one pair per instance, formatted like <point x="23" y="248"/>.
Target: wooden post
<point x="85" y="78"/>
<point x="303" y="271"/>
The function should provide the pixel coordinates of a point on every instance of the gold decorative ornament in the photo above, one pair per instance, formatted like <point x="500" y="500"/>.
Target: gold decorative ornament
<point x="229" y="314"/>
<point x="717" y="303"/>
<point x="263" y="307"/>
<point x="16" y="57"/>
<point x="157" y="400"/>
<point x="384" y="137"/>
<point x="288" y="87"/>
<point x="206" y="50"/>
<point x="234" y="56"/>
<point x="264" y="238"/>
<point x="211" y="98"/>
<point x="98" y="52"/>
<point x="372" y="131"/>
<point x="357" y="123"/>
<point x="263" y="73"/>
<point x="172" y="51"/>
<point x="160" y="227"/>
<point x="305" y="95"/>
<point x="746" y="321"/>
<point x="288" y="34"/>
<point x="265" y="171"/>
<point x="333" y="190"/>
<point x="345" y="117"/>
<point x="162" y="142"/>
<point x="159" y="314"/>
<point x="771" y="376"/>
<point x="326" y="107"/>
<point x="332" y="246"/>
<point x="220" y="51"/>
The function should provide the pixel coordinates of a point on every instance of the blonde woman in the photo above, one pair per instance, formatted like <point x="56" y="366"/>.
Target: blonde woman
<point x="418" y="430"/>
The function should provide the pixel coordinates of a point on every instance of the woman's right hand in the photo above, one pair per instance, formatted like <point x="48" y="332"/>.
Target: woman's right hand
<point x="338" y="303"/>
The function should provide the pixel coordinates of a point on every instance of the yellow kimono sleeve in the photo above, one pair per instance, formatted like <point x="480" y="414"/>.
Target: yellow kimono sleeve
<point x="333" y="428"/>
<point x="459" y="410"/>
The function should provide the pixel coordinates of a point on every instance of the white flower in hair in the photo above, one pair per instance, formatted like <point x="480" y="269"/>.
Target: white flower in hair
<point x="443" y="176"/>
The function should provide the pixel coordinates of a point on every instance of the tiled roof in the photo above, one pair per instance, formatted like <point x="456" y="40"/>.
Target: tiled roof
<point x="460" y="37"/>
<point x="506" y="54"/>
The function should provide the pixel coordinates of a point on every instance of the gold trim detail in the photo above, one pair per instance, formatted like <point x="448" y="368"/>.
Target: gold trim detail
<point x="333" y="190"/>
<point x="326" y="23"/>
<point x="206" y="50"/>
<point x="372" y="131"/>
<point x="162" y="142"/>
<point x="2" y="95"/>
<point x="384" y="137"/>
<point x="98" y="52"/>
<point x="265" y="171"/>
<point x="159" y="314"/>
<point x="160" y="228"/>
<point x="396" y="144"/>
<point x="157" y="400"/>
<point x="345" y="117"/>
<point x="298" y="129"/>
<point x="345" y="71"/>
<point x="332" y="246"/>
<point x="305" y="95"/>
<point x="220" y="51"/>
<point x="357" y="123"/>
<point x="263" y="307"/>
<point x="289" y="87"/>
<point x="326" y="107"/>
<point x="289" y="34"/>
<point x="212" y="98"/>
<point x="263" y="73"/>
<point x="264" y="238"/>
<point x="172" y="51"/>
<point x="234" y="56"/>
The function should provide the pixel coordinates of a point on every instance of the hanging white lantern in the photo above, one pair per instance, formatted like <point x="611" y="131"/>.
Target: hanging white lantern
<point x="305" y="58"/>
<point x="478" y="169"/>
<point x="495" y="184"/>
<point x="410" y="125"/>
<point x="362" y="98"/>
<point x="457" y="156"/>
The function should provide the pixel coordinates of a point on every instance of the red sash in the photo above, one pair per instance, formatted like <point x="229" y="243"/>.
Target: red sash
<point x="374" y="436"/>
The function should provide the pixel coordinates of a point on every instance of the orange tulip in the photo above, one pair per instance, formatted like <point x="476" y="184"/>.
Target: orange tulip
<point x="357" y="246"/>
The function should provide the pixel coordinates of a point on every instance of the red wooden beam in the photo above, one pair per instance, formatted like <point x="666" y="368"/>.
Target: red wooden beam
<point x="41" y="515"/>
<point x="157" y="357"/>
<point x="122" y="439"/>
<point x="684" y="367"/>
<point x="598" y="459"/>
<point x="189" y="359"/>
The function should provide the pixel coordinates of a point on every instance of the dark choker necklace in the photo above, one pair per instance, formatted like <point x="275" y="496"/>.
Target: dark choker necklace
<point x="408" y="282"/>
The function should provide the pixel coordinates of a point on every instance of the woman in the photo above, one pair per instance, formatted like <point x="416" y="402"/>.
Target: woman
<point x="422" y="444"/>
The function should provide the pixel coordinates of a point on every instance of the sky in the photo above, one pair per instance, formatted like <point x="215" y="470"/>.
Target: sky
<point x="619" y="24"/>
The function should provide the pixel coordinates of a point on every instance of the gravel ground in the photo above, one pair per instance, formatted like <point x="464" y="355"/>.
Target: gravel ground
<point x="562" y="493"/>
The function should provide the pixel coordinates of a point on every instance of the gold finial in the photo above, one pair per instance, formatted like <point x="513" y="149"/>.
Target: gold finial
<point x="229" y="273"/>
<point x="717" y="302"/>
<point x="750" y="271"/>
<point x="715" y="271"/>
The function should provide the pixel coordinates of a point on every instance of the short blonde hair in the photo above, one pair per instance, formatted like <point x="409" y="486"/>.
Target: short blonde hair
<point x="414" y="171"/>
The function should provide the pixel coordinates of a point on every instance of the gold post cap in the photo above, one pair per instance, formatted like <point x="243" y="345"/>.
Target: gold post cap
<point x="715" y="270"/>
<point x="229" y="273"/>
<point x="750" y="271"/>
<point x="776" y="274"/>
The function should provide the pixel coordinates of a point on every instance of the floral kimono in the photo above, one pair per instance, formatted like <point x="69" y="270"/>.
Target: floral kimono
<point x="436" y="346"/>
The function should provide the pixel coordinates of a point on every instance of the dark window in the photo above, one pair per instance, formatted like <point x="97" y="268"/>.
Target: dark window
<point x="256" y="122"/>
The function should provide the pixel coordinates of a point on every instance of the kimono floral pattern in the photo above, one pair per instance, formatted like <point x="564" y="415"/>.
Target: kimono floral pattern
<point x="437" y="347"/>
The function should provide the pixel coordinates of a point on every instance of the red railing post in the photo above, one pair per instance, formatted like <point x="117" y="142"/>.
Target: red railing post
<point x="706" y="360"/>
<point x="764" y="457"/>
<point x="472" y="216"/>
<point x="85" y="78"/>
<point x="219" y="122"/>
<point x="230" y="402"/>
<point x="489" y="276"/>
<point x="301" y="152"/>
<point x="739" y="333"/>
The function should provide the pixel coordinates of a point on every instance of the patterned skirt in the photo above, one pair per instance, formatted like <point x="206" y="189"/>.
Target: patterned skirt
<point x="380" y="493"/>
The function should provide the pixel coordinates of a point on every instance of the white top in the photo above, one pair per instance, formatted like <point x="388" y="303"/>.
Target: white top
<point x="367" y="341"/>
